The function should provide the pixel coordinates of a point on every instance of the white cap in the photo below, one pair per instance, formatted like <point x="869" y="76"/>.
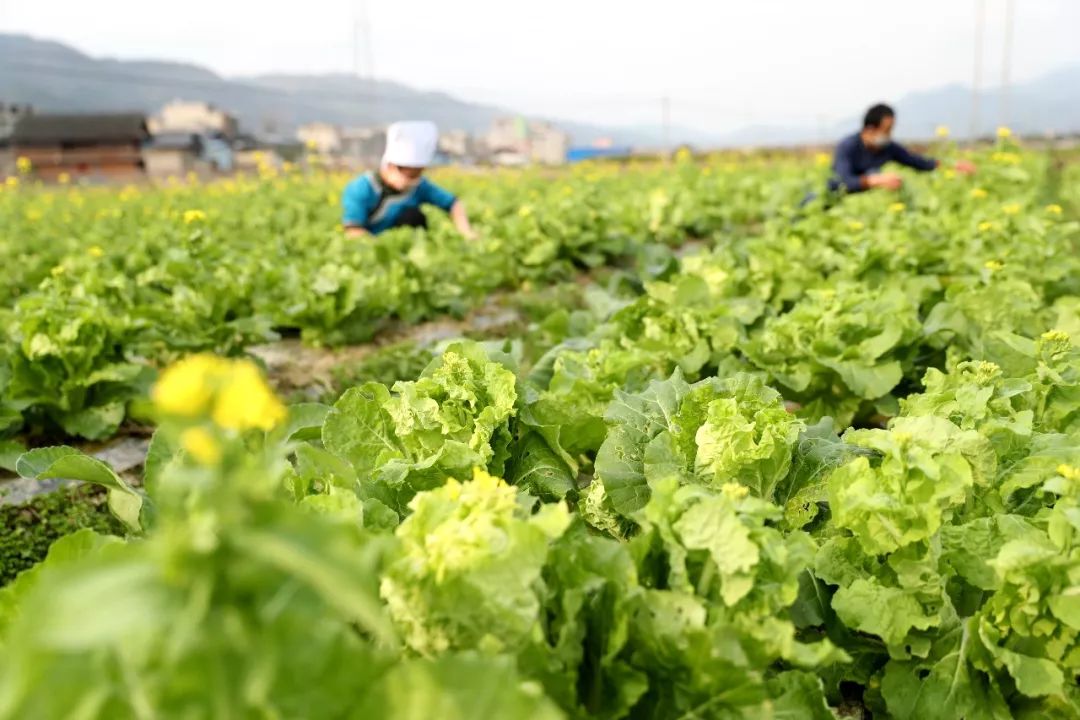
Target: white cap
<point x="411" y="144"/>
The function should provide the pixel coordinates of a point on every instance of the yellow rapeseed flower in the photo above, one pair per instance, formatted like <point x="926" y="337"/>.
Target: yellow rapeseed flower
<point x="128" y="192"/>
<point x="978" y="193"/>
<point x="855" y="225"/>
<point x="63" y="178"/>
<point x="1055" y="336"/>
<point x="822" y="159"/>
<point x="57" y="271"/>
<point x="186" y="387"/>
<point x="987" y="225"/>
<point x="993" y="265"/>
<point x="1054" y="209"/>
<point x="1004" y="132"/>
<point x="942" y="131"/>
<point x="1005" y="158"/>
<point x="1011" y="209"/>
<point x="24" y="166"/>
<point x="191" y="216"/>
<point x="201" y="444"/>
<point x="95" y="251"/>
<point x="525" y="211"/>
<point x="897" y="207"/>
<point x="246" y="401"/>
<point x="12" y="182"/>
<point x="1069" y="472"/>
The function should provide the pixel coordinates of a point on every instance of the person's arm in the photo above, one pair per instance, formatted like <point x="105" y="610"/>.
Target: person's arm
<point x="446" y="201"/>
<point x="354" y="205"/>
<point x="460" y="218"/>
<point x="920" y="162"/>
<point x="899" y="153"/>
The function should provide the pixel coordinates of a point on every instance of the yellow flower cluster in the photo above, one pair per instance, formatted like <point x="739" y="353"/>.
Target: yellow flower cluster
<point x="1011" y="209"/>
<point x="978" y="193"/>
<point x="95" y="251"/>
<point x="1006" y="158"/>
<point x="232" y="392"/>
<point x="1004" y="132"/>
<point x="1054" y="209"/>
<point x="201" y="444"/>
<point x="24" y="166"/>
<point x="897" y="207"/>
<point x="855" y="225"/>
<point x="993" y="265"/>
<point x="1069" y="472"/>
<point x="942" y="131"/>
<point x="1055" y="336"/>
<point x="191" y="216"/>
<point x="987" y="226"/>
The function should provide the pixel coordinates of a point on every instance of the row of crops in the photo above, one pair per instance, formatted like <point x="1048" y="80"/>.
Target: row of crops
<point x="104" y="286"/>
<point x="827" y="466"/>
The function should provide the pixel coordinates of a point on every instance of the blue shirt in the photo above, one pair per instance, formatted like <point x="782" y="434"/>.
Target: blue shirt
<point x="853" y="159"/>
<point x="370" y="204"/>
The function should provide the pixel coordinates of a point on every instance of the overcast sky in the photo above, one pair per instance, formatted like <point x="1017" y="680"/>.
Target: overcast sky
<point x="724" y="64"/>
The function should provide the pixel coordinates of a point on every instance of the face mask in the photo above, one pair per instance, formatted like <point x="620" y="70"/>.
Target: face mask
<point x="879" y="141"/>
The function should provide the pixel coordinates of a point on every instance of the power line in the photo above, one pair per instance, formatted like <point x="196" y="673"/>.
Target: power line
<point x="976" y="83"/>
<point x="1006" y="62"/>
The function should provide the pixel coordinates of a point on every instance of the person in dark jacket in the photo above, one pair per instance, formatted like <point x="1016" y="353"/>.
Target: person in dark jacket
<point x="860" y="157"/>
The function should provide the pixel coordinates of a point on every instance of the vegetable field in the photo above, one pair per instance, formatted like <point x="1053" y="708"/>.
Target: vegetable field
<point x="739" y="459"/>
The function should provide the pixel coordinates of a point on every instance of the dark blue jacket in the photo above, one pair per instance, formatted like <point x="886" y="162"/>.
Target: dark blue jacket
<point x="853" y="159"/>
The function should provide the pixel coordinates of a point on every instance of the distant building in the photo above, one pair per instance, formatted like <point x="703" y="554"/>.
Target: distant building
<point x="457" y="146"/>
<point x="549" y="144"/>
<point x="251" y="154"/>
<point x="193" y="116"/>
<point x="595" y="152"/>
<point x="175" y="155"/>
<point x="10" y="114"/>
<point x="95" y="147"/>
<point x="322" y="138"/>
<point x="515" y="140"/>
<point x="363" y="147"/>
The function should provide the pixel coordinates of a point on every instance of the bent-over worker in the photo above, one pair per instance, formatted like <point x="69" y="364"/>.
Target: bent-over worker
<point x="859" y="157"/>
<point x="392" y="196"/>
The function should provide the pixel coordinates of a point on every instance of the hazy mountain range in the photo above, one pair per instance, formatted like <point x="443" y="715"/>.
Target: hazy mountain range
<point x="56" y="77"/>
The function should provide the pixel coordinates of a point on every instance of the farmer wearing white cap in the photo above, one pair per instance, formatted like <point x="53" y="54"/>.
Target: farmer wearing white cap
<point x="392" y="197"/>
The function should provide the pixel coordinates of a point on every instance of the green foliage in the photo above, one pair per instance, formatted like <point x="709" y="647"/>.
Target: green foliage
<point x="682" y="532"/>
<point x="27" y="530"/>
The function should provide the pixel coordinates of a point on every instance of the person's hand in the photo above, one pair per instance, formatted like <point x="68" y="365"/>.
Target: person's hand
<point x="889" y="181"/>
<point x="965" y="167"/>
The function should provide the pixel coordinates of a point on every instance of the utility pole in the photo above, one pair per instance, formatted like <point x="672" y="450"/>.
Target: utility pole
<point x="665" y="115"/>
<point x="976" y="82"/>
<point x="364" y="70"/>
<point x="1006" y="62"/>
